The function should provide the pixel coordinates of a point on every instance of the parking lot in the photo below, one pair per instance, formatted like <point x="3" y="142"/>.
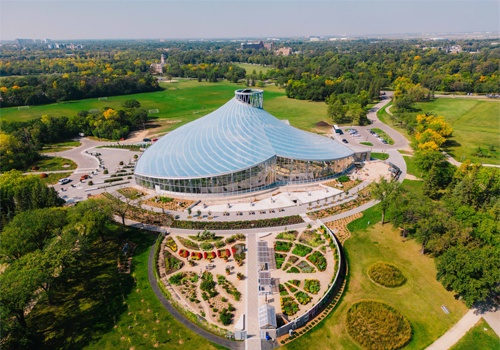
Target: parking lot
<point x="356" y="135"/>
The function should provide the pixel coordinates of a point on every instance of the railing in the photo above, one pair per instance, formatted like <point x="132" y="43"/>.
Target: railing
<point x="310" y="314"/>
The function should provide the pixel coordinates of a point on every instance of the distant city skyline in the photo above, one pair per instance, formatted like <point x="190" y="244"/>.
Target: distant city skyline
<point x="80" y="20"/>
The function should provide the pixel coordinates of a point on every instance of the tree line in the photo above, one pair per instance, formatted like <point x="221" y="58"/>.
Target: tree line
<point x="20" y="141"/>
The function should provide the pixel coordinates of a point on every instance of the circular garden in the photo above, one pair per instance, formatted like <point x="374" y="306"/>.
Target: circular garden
<point x="378" y="326"/>
<point x="386" y="275"/>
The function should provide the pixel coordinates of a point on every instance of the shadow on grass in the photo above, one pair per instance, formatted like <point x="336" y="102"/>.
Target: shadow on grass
<point x="89" y="299"/>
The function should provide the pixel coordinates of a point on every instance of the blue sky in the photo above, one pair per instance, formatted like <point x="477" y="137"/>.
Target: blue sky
<point x="65" y="20"/>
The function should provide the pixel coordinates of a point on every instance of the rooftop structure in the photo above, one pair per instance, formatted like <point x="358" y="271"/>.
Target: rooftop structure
<point x="267" y="317"/>
<point x="239" y="148"/>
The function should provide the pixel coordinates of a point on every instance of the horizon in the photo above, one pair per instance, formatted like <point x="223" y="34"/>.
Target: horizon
<point x="134" y="20"/>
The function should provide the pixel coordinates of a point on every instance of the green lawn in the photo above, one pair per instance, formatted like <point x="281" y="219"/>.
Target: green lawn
<point x="250" y="68"/>
<point x="475" y="124"/>
<point x="178" y="107"/>
<point x="412" y="186"/>
<point x="481" y="336"/>
<point x="91" y="301"/>
<point x="381" y="156"/>
<point x="411" y="168"/>
<point x="52" y="164"/>
<point x="419" y="299"/>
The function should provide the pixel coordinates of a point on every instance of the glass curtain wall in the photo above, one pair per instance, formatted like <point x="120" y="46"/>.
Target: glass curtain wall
<point x="275" y="171"/>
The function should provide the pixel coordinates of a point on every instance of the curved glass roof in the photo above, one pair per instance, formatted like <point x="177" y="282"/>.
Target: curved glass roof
<point x="234" y="137"/>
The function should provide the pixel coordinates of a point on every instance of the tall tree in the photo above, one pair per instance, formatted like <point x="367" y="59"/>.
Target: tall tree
<point x="386" y="192"/>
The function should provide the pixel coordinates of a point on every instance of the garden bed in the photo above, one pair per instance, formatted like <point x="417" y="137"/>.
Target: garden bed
<point x="234" y="225"/>
<point x="172" y="264"/>
<point x="289" y="235"/>
<point x="386" y="275"/>
<point x="188" y="243"/>
<point x="312" y="286"/>
<point x="168" y="203"/>
<point x="305" y="268"/>
<point x="289" y="306"/>
<point x="281" y="246"/>
<point x="280" y="259"/>
<point x="301" y="250"/>
<point x="318" y="260"/>
<point x="312" y="238"/>
<point x="170" y="243"/>
<point x="303" y="298"/>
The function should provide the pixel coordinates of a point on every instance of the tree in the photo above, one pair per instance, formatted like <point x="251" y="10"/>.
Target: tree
<point x="470" y="271"/>
<point x="131" y="104"/>
<point x="386" y="192"/>
<point x="91" y="217"/>
<point x="32" y="230"/>
<point x="121" y="208"/>
<point x="430" y="187"/>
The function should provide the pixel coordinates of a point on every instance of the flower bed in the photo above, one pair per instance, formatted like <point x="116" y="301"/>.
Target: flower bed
<point x="290" y="287"/>
<point x="170" y="243"/>
<point x="232" y="225"/>
<point x="172" y="263"/>
<point x="290" y="235"/>
<point x="318" y="259"/>
<point x="293" y="269"/>
<point x="301" y="250"/>
<point x="292" y="259"/>
<point x="305" y="268"/>
<point x="294" y="282"/>
<point x="346" y="186"/>
<point x="312" y="286"/>
<point x="229" y="287"/>
<point x="281" y="246"/>
<point x="239" y="251"/>
<point x="196" y="256"/>
<point x="289" y="306"/>
<point x="188" y="244"/>
<point x="302" y="298"/>
<point x="184" y="253"/>
<point x="168" y="203"/>
<point x="280" y="259"/>
<point x="223" y="253"/>
<point x="311" y="238"/>
<point x="209" y="255"/>
<point x="283" y="290"/>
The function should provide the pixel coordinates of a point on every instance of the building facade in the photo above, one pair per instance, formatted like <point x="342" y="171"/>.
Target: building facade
<point x="237" y="149"/>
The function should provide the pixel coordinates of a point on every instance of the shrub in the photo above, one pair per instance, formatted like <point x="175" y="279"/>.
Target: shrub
<point x="90" y="183"/>
<point x="312" y="286"/>
<point x="293" y="269"/>
<point x="188" y="244"/>
<point x="224" y="299"/>
<point x="343" y="178"/>
<point x="176" y="279"/>
<point x="206" y="246"/>
<point x="225" y="317"/>
<point x="121" y="162"/>
<point x="105" y="171"/>
<point x="43" y="175"/>
<point x="386" y="275"/>
<point x="281" y="246"/>
<point x="301" y="250"/>
<point x="318" y="260"/>
<point x="375" y="325"/>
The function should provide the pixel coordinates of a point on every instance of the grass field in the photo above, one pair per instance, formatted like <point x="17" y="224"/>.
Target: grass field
<point x="89" y="303"/>
<point x="419" y="299"/>
<point x="250" y="68"/>
<point x="475" y="124"/>
<point x="52" y="179"/>
<point x="381" y="156"/>
<point x="481" y="336"/>
<point x="185" y="104"/>
<point x="411" y="168"/>
<point x="52" y="164"/>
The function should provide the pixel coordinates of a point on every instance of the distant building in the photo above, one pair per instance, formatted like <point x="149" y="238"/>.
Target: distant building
<point x="269" y="46"/>
<point x="255" y="46"/>
<point x="455" y="49"/>
<point x="284" y="51"/>
<point x="314" y="38"/>
<point x="158" y="67"/>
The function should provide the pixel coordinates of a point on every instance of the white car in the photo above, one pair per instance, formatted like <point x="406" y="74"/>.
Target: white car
<point x="64" y="181"/>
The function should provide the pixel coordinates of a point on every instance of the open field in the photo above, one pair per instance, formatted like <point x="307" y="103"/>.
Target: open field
<point x="185" y="104"/>
<point x="481" y="336"/>
<point x="475" y="124"/>
<point x="52" y="178"/>
<point x="419" y="299"/>
<point x="89" y="304"/>
<point x="250" y="68"/>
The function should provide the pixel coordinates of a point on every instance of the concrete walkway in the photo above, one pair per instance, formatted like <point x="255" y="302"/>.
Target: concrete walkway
<point x="252" y="315"/>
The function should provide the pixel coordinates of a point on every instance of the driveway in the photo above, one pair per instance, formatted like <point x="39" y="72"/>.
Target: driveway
<point x="400" y="142"/>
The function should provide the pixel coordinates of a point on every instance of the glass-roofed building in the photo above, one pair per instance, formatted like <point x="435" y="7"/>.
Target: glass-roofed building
<point x="237" y="149"/>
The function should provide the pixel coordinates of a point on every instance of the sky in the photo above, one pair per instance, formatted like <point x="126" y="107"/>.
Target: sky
<point x="106" y="19"/>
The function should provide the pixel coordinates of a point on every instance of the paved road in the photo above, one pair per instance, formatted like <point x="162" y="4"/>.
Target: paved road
<point x="400" y="142"/>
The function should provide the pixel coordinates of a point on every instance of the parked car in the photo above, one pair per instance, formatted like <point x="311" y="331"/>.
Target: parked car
<point x="64" y="181"/>
<point x="345" y="141"/>
<point x="154" y="140"/>
<point x="385" y="142"/>
<point x="83" y="177"/>
<point x="146" y="140"/>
